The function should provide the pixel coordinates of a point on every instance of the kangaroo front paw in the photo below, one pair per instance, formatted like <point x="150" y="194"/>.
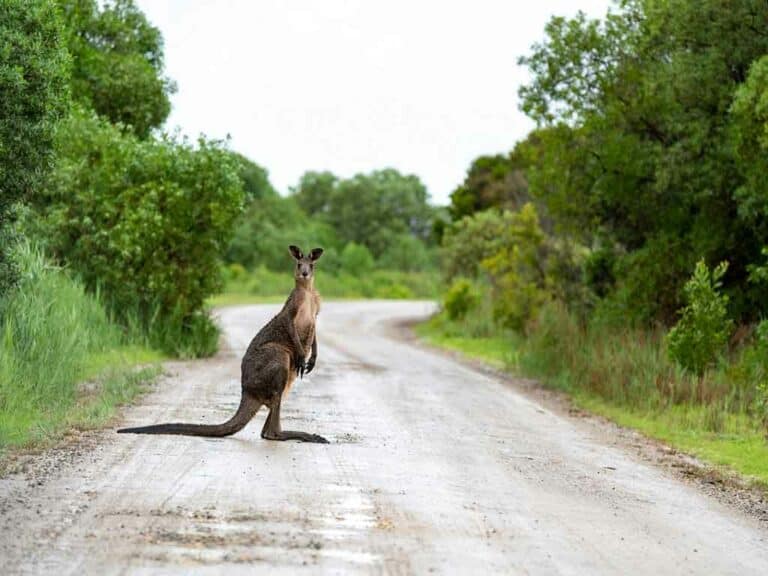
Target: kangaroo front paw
<point x="300" y="365"/>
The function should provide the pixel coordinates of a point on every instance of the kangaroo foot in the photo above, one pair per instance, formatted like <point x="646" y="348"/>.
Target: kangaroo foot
<point x="294" y="435"/>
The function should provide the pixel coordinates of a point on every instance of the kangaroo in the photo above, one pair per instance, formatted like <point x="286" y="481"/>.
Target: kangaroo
<point x="275" y="357"/>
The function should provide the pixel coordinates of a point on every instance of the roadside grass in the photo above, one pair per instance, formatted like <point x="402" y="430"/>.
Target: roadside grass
<point x="625" y="378"/>
<point x="266" y="286"/>
<point x="63" y="362"/>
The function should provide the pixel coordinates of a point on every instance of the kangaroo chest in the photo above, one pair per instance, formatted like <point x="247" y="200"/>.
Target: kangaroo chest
<point x="305" y="320"/>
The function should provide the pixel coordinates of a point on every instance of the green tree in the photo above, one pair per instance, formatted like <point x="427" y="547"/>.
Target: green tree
<point x="33" y="96"/>
<point x="470" y="241"/>
<point x="517" y="268"/>
<point x="117" y="60"/>
<point x="356" y="259"/>
<point x="635" y="115"/>
<point x="256" y="184"/>
<point x="314" y="191"/>
<point x="492" y="182"/>
<point x="372" y="209"/>
<point x="146" y="222"/>
<point x="406" y="253"/>
<point x="749" y="114"/>
<point x="271" y="224"/>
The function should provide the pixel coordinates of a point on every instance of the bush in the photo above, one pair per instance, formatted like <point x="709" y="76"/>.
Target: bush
<point x="518" y="269"/>
<point x="462" y="297"/>
<point x="702" y="332"/>
<point x="470" y="241"/>
<point x="406" y="253"/>
<point x="749" y="373"/>
<point x="33" y="95"/>
<point x="356" y="259"/>
<point x="144" y="221"/>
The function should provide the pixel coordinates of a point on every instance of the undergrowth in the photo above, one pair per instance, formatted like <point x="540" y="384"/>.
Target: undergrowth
<point x="53" y="337"/>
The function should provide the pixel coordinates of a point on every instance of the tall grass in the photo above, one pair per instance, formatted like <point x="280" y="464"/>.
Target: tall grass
<point x="626" y="375"/>
<point x="53" y="335"/>
<point x="631" y="367"/>
<point x="622" y="366"/>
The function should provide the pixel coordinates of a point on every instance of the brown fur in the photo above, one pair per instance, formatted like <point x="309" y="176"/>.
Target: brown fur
<point x="275" y="356"/>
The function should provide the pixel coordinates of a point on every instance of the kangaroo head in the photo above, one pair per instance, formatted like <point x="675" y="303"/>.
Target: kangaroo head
<point x="305" y="265"/>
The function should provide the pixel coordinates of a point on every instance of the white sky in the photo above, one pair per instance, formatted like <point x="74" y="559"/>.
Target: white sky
<point x="349" y="86"/>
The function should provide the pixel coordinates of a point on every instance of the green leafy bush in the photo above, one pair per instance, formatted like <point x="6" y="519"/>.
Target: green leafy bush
<point x="470" y="241"/>
<point x="356" y="259"/>
<point x="460" y="299"/>
<point x="406" y="253"/>
<point x="34" y="76"/>
<point x="518" y="269"/>
<point x="702" y="332"/>
<point x="144" y="221"/>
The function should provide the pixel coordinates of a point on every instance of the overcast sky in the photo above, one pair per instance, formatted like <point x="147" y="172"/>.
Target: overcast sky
<point x="349" y="86"/>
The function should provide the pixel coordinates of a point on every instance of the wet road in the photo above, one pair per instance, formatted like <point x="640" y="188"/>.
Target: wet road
<point x="433" y="468"/>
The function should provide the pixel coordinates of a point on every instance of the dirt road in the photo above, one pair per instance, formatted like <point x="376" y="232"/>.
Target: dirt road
<point x="433" y="468"/>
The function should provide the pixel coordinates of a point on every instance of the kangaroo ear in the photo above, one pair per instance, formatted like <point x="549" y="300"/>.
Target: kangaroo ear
<point x="315" y="253"/>
<point x="295" y="252"/>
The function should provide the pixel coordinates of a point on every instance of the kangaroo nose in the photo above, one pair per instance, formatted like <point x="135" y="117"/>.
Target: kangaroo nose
<point x="305" y="274"/>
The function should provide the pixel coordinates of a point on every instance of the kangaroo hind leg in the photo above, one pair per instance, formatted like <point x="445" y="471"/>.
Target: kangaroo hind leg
<point x="273" y="431"/>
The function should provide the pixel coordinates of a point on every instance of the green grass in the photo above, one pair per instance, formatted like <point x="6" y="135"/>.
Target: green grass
<point x="494" y="350"/>
<point x="53" y="338"/>
<point x="266" y="286"/>
<point x="743" y="449"/>
<point x="722" y="434"/>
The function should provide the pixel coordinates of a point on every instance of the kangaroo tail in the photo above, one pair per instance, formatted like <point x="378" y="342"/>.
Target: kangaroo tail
<point x="247" y="410"/>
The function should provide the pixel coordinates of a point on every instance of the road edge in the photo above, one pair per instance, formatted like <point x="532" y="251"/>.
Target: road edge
<point x="725" y="486"/>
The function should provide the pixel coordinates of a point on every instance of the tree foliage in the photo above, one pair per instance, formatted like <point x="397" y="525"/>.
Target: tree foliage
<point x="491" y="182"/>
<point x="314" y="191"/>
<point x="649" y="137"/>
<point x="117" y="60"/>
<point x="146" y="222"/>
<point x="512" y="253"/>
<point x="33" y="96"/>
<point x="385" y="213"/>
<point x="269" y="225"/>
<point x="372" y="209"/>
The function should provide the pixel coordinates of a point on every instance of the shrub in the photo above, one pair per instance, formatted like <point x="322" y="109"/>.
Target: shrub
<point x="750" y="372"/>
<point x="394" y="291"/>
<point x="702" y="331"/>
<point x="144" y="221"/>
<point x="406" y="253"/>
<point x="517" y="269"/>
<point x="235" y="272"/>
<point x="33" y="95"/>
<point x="471" y="240"/>
<point x="356" y="259"/>
<point x="461" y="298"/>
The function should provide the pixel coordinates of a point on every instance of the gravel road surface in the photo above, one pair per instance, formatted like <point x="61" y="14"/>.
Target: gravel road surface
<point x="433" y="467"/>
